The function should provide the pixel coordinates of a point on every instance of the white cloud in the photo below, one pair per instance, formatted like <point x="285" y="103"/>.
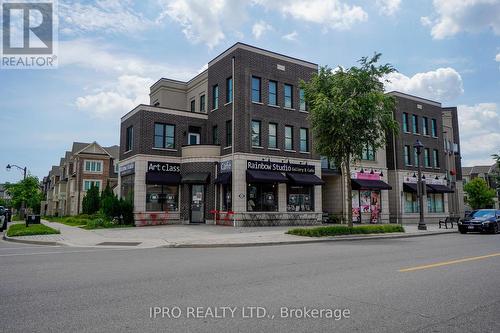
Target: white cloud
<point x="388" y="7"/>
<point x="443" y="84"/>
<point x="333" y="14"/>
<point x="103" y="16"/>
<point x="260" y="28"/>
<point x="118" y="98"/>
<point x="497" y="58"/>
<point x="203" y="22"/>
<point x="292" y="36"/>
<point x="454" y="16"/>
<point x="479" y="135"/>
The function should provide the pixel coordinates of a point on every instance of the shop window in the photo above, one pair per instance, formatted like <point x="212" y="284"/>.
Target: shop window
<point x="366" y="202"/>
<point x="435" y="202"/>
<point x="127" y="187"/>
<point x="227" y="198"/>
<point x="273" y="93"/>
<point x="262" y="197"/>
<point x="300" y="198"/>
<point x="161" y="198"/>
<point x="411" y="202"/>
<point x="288" y="93"/>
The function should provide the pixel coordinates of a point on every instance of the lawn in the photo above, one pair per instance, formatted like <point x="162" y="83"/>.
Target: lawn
<point x="345" y="230"/>
<point x="87" y="222"/>
<point x="73" y="221"/>
<point x="20" y="229"/>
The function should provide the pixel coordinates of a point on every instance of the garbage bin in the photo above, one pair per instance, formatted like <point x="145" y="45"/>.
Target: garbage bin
<point x="32" y="219"/>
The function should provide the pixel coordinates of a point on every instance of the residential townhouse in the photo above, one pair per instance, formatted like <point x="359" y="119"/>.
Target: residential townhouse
<point x="86" y="164"/>
<point x="489" y="173"/>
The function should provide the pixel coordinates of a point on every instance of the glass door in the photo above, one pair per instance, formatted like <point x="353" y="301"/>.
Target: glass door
<point x="197" y="203"/>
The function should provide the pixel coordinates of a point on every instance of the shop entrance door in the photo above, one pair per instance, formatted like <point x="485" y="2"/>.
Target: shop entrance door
<point x="197" y="203"/>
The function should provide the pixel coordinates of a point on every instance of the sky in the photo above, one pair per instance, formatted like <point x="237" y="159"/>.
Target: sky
<point x="111" y="51"/>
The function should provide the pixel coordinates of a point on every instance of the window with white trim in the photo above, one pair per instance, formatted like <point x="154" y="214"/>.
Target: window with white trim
<point x="93" y="166"/>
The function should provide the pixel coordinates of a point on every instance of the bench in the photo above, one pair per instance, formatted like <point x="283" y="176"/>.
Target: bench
<point x="450" y="220"/>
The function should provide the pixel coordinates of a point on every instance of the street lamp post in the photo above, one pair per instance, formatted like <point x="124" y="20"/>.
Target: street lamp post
<point x="420" y="187"/>
<point x="9" y="167"/>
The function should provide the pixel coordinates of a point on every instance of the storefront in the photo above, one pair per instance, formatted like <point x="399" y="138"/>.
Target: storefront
<point x="367" y="196"/>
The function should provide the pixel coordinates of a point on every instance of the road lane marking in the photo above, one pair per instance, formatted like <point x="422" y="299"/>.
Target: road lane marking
<point x="28" y="247"/>
<point x="450" y="262"/>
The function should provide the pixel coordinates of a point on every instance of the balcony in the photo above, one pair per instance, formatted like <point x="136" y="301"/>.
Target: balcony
<point x="192" y="151"/>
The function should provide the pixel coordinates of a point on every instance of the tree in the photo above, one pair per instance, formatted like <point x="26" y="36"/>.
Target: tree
<point x="479" y="195"/>
<point x="348" y="111"/>
<point x="27" y="191"/>
<point x="91" y="200"/>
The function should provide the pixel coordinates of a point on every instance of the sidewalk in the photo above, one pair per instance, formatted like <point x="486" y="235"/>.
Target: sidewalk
<point x="197" y="236"/>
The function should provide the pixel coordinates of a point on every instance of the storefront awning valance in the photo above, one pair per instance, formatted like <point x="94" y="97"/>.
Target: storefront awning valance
<point x="196" y="178"/>
<point x="258" y="176"/>
<point x="438" y="188"/>
<point x="410" y="187"/>
<point x="224" y="178"/>
<point x="304" y="178"/>
<point x="163" y="178"/>
<point x="368" y="184"/>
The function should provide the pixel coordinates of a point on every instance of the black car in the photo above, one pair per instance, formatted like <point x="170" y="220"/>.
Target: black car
<point x="481" y="220"/>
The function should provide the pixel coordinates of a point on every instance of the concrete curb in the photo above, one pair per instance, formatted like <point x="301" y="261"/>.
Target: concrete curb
<point x="308" y="241"/>
<point x="221" y="245"/>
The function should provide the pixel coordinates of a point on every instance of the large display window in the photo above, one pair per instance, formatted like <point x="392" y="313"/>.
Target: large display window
<point x="162" y="198"/>
<point x="127" y="187"/>
<point x="411" y="203"/>
<point x="300" y="198"/>
<point x="262" y="197"/>
<point x="366" y="202"/>
<point x="435" y="202"/>
<point x="227" y="197"/>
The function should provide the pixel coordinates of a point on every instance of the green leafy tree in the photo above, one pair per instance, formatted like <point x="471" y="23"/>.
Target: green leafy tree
<point x="91" y="201"/>
<point x="27" y="191"/>
<point x="479" y="195"/>
<point x="349" y="110"/>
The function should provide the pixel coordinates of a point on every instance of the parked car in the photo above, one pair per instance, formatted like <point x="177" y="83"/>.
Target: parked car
<point x="481" y="220"/>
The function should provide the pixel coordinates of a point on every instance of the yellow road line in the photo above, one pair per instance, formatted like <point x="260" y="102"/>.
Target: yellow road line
<point x="443" y="263"/>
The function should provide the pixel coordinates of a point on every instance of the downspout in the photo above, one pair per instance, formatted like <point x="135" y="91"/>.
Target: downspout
<point x="232" y="137"/>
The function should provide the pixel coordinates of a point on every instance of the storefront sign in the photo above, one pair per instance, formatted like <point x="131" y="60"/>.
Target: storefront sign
<point x="427" y="180"/>
<point x="164" y="167"/>
<point x="226" y="166"/>
<point x="281" y="167"/>
<point x="127" y="169"/>
<point x="365" y="175"/>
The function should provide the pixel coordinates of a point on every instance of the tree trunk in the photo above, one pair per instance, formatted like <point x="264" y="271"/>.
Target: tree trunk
<point x="346" y="174"/>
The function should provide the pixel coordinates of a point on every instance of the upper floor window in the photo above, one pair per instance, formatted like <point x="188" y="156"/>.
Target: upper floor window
<point x="304" y="140"/>
<point x="193" y="106"/>
<point x="215" y="96"/>
<point x="273" y="135"/>
<point x="229" y="133"/>
<point x="405" y="122"/>
<point x="434" y="128"/>
<point x="164" y="136"/>
<point x="415" y="123"/>
<point x="415" y="157"/>
<point x="427" y="158"/>
<point x="406" y="152"/>
<point x="435" y="158"/>
<point x="288" y="137"/>
<point x="194" y="135"/>
<point x="116" y="167"/>
<point x="87" y="184"/>
<point x="202" y="103"/>
<point x="229" y="89"/>
<point x="256" y="137"/>
<point x="273" y="93"/>
<point x="215" y="135"/>
<point x="368" y="153"/>
<point x="425" y="126"/>
<point x="93" y="166"/>
<point x="288" y="96"/>
<point x="129" y="138"/>
<point x="256" y="89"/>
<point x="302" y="97"/>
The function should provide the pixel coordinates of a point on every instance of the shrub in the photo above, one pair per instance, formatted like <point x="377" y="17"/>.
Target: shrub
<point x="345" y="230"/>
<point x="91" y="201"/>
<point x="20" y="229"/>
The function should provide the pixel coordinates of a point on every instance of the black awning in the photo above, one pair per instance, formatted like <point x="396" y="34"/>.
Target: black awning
<point x="438" y="189"/>
<point x="224" y="178"/>
<point x="410" y="187"/>
<point x="196" y="178"/>
<point x="366" y="184"/>
<point x="258" y="176"/>
<point x="304" y="178"/>
<point x="163" y="178"/>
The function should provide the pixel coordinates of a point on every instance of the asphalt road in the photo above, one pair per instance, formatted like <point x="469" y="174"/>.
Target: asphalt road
<point x="60" y="289"/>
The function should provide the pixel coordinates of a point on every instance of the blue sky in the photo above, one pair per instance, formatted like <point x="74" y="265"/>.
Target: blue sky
<point x="111" y="51"/>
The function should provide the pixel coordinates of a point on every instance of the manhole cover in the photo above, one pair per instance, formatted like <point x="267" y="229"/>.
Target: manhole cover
<point x="120" y="243"/>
